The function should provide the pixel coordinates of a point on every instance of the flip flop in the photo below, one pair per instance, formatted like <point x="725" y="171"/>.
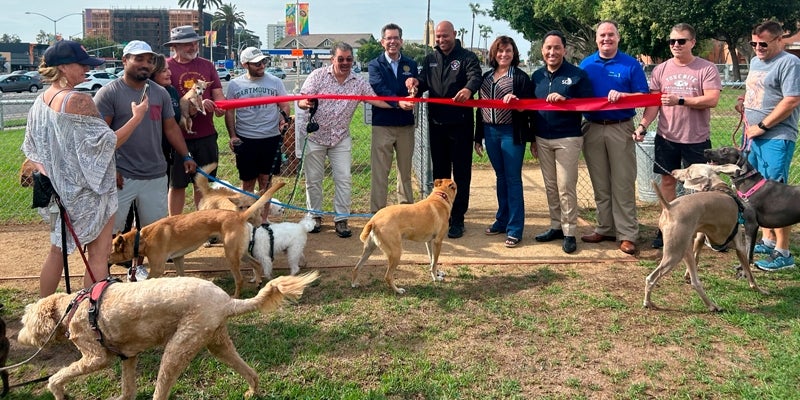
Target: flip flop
<point x="511" y="242"/>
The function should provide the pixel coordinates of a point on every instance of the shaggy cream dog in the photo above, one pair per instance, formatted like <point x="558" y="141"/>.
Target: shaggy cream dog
<point x="183" y="314"/>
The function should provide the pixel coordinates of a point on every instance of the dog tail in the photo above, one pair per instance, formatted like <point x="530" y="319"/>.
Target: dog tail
<point x="256" y="208"/>
<point x="365" y="232"/>
<point x="200" y="180"/>
<point x="661" y="199"/>
<point x="307" y="223"/>
<point x="275" y="292"/>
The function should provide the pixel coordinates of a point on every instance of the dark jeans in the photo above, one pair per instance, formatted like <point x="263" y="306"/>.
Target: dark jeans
<point x="506" y="158"/>
<point x="451" y="155"/>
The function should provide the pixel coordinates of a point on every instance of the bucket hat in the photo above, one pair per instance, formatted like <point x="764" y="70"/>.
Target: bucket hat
<point x="183" y="34"/>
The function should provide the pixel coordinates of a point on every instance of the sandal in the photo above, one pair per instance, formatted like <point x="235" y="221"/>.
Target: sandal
<point x="490" y="231"/>
<point x="511" y="242"/>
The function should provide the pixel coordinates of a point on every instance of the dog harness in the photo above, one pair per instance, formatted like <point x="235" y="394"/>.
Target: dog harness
<point x="252" y="243"/>
<point x="740" y="220"/>
<point x="745" y="196"/>
<point x="95" y="295"/>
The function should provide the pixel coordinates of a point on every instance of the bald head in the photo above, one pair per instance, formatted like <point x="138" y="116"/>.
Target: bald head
<point x="445" y="36"/>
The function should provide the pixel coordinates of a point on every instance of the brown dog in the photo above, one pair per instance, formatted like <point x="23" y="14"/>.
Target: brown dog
<point x="182" y="315"/>
<point x="424" y="221"/>
<point x="175" y="236"/>
<point x="192" y="99"/>
<point x="26" y="171"/>
<point x="222" y="198"/>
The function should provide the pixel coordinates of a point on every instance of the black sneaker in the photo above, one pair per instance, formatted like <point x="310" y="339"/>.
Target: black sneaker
<point x="342" y="229"/>
<point x="658" y="242"/>
<point x="569" y="245"/>
<point x="456" y="231"/>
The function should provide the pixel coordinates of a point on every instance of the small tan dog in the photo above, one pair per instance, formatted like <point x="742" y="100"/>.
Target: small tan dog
<point x="192" y="99"/>
<point x="424" y="221"/>
<point x="182" y="315"/>
<point x="222" y="198"/>
<point x="175" y="236"/>
<point x="26" y="171"/>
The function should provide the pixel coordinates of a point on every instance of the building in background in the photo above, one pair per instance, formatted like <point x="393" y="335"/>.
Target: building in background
<point x="275" y="32"/>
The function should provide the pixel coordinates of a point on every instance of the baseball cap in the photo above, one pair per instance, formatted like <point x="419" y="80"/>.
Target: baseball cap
<point x="251" y="54"/>
<point x="183" y="34"/>
<point x="68" y="52"/>
<point x="136" y="47"/>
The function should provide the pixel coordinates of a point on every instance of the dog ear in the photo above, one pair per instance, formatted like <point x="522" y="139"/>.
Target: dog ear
<point x="727" y="169"/>
<point x="437" y="183"/>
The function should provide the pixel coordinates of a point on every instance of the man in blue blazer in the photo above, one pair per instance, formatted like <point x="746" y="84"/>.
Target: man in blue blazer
<point x="392" y="128"/>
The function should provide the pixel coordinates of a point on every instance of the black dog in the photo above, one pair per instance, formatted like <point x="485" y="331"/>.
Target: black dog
<point x="5" y="346"/>
<point x="774" y="203"/>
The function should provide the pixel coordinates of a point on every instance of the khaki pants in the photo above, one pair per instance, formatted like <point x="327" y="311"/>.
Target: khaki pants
<point x="559" y="162"/>
<point x="386" y="142"/>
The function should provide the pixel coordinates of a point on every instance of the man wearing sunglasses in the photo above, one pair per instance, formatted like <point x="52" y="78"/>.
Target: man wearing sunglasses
<point x="255" y="131"/>
<point x="770" y="106"/>
<point x="689" y="86"/>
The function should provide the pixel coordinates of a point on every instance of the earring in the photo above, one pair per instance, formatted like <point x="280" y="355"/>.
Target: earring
<point x="63" y="81"/>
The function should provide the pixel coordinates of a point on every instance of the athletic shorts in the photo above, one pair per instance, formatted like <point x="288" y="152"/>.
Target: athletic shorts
<point x="204" y="151"/>
<point x="256" y="157"/>
<point x="772" y="158"/>
<point x="672" y="156"/>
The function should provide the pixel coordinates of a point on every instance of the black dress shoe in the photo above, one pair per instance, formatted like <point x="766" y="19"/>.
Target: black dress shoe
<point x="456" y="231"/>
<point x="569" y="245"/>
<point x="550" y="235"/>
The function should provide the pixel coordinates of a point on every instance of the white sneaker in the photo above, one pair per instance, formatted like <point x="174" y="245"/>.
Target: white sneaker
<point x="137" y="274"/>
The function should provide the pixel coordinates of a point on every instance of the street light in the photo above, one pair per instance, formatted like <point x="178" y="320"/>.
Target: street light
<point x="55" y="21"/>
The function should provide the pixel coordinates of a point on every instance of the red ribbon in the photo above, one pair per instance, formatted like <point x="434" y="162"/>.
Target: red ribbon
<point x="585" y="104"/>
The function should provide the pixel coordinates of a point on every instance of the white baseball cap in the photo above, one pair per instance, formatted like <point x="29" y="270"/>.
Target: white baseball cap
<point x="136" y="47"/>
<point x="251" y="54"/>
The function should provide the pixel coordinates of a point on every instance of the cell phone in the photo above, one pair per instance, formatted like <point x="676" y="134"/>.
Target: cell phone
<point x="144" y="92"/>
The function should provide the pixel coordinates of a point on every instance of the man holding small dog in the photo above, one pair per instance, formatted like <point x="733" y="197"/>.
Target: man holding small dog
<point x="141" y="165"/>
<point x="690" y="87"/>
<point x="255" y="132"/>
<point x="188" y="67"/>
<point x="771" y="107"/>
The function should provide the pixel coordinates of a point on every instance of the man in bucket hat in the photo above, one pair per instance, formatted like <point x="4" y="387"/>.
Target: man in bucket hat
<point x="187" y="68"/>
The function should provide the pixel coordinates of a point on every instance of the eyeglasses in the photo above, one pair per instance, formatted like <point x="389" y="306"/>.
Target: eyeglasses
<point x="395" y="38"/>
<point x="256" y="64"/>
<point x="344" y="59"/>
<point x="681" y="41"/>
<point x="763" y="45"/>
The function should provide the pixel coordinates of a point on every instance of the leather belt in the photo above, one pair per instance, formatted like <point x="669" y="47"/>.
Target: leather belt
<point x="610" y="121"/>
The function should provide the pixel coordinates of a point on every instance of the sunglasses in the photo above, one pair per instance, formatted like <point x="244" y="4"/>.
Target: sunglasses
<point x="681" y="41"/>
<point x="256" y="64"/>
<point x="763" y="45"/>
<point x="344" y="59"/>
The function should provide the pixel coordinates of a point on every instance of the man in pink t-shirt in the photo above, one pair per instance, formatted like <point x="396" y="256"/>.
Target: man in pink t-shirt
<point x="689" y="86"/>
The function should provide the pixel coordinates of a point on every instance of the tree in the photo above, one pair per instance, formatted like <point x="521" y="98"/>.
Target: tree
<point x="369" y="49"/>
<point x="485" y="31"/>
<point x="13" y="38"/>
<point x="415" y="51"/>
<point x="462" y="32"/>
<point x="43" y="38"/>
<point x="228" y="18"/>
<point x="99" y="46"/>
<point x="475" y="8"/>
<point x="201" y="6"/>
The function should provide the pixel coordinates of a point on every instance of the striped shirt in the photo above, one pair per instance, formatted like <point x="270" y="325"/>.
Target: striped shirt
<point x="497" y="89"/>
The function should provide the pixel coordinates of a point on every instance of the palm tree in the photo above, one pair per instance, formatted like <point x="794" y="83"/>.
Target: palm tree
<point x="201" y="5"/>
<point x="228" y="18"/>
<point x="462" y="32"/>
<point x="475" y="8"/>
<point x="485" y="31"/>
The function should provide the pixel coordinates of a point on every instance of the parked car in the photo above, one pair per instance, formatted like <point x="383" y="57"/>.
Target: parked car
<point x="95" y="80"/>
<point x="34" y="74"/>
<point x="224" y="74"/>
<point x="277" y="71"/>
<point x="20" y="83"/>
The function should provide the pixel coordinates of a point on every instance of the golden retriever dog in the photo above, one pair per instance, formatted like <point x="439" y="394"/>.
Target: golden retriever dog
<point x="26" y="171"/>
<point x="184" y="315"/>
<point x="223" y="198"/>
<point x="424" y="221"/>
<point x="175" y="236"/>
<point x="192" y="99"/>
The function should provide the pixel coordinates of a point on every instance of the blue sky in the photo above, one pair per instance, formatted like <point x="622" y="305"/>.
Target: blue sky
<point x="326" y="16"/>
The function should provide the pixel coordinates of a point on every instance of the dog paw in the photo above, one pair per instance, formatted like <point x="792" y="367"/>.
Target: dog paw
<point x="354" y="285"/>
<point x="400" y="290"/>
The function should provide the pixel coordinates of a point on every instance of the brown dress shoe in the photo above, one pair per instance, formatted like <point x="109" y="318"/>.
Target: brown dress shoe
<point x="627" y="247"/>
<point x="597" y="238"/>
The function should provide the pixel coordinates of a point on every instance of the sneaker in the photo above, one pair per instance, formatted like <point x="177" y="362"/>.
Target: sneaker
<point x="456" y="231"/>
<point x="137" y="274"/>
<point x="775" y="262"/>
<point x="762" y="248"/>
<point x="342" y="229"/>
<point x="658" y="242"/>
<point x="317" y="225"/>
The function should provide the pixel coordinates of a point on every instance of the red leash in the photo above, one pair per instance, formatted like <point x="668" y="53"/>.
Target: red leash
<point x="65" y="219"/>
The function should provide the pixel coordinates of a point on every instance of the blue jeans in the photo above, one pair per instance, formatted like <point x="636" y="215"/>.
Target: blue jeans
<point x="506" y="158"/>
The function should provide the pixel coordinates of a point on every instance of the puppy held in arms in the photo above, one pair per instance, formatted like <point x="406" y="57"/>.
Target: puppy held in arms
<point x="193" y="99"/>
<point x="425" y="221"/>
<point x="181" y="315"/>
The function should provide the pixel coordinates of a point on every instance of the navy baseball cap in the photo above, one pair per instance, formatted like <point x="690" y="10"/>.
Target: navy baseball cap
<point x="68" y="52"/>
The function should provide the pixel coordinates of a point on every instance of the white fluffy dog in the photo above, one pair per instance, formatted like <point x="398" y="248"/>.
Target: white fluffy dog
<point x="289" y="237"/>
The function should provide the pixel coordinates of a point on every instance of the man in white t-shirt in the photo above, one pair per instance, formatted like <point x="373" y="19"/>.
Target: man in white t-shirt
<point x="689" y="86"/>
<point x="255" y="131"/>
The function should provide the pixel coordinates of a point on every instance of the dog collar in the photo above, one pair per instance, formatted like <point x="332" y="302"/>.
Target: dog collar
<point x="752" y="190"/>
<point x="441" y="194"/>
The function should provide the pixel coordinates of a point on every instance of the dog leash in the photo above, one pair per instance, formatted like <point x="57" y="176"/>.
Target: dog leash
<point x="652" y="159"/>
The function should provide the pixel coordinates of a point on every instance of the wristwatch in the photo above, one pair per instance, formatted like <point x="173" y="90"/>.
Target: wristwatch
<point x="762" y="126"/>
<point x="187" y="157"/>
<point x="681" y="101"/>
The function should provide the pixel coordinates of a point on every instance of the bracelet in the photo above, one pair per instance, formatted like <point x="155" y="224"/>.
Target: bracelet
<point x="187" y="157"/>
<point x="762" y="126"/>
<point x="642" y="126"/>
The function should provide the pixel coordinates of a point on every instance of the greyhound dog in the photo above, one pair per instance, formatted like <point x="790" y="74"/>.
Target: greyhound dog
<point x="773" y="202"/>
<point x="711" y="213"/>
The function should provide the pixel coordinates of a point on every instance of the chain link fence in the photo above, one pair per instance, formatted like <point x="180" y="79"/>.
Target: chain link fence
<point x="15" y="200"/>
